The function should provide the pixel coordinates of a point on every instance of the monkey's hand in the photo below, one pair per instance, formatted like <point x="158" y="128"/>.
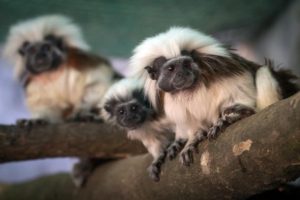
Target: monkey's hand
<point x="216" y="129"/>
<point x="229" y="116"/>
<point x="175" y="147"/>
<point x="155" y="168"/>
<point x="88" y="116"/>
<point x="187" y="154"/>
<point x="31" y="122"/>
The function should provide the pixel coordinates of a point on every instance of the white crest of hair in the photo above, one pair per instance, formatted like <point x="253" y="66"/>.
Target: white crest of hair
<point x="34" y="30"/>
<point x="170" y="44"/>
<point x="120" y="89"/>
<point x="267" y="88"/>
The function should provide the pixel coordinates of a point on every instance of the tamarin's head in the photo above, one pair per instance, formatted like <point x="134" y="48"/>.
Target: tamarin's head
<point x="126" y="105"/>
<point x="172" y="59"/>
<point x="38" y="45"/>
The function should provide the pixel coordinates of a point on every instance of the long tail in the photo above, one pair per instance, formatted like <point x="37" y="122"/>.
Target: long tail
<point x="274" y="84"/>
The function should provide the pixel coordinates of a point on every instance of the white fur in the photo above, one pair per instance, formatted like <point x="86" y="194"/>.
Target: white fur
<point x="35" y="30"/>
<point x="169" y="44"/>
<point x="267" y="88"/>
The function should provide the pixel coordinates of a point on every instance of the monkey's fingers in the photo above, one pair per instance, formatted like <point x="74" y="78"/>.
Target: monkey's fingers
<point x="187" y="155"/>
<point x="213" y="132"/>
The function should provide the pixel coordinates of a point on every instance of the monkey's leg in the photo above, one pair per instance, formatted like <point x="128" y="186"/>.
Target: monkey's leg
<point x="156" y="146"/>
<point x="187" y="154"/>
<point x="155" y="168"/>
<point x="229" y="116"/>
<point x="31" y="122"/>
<point x="175" y="148"/>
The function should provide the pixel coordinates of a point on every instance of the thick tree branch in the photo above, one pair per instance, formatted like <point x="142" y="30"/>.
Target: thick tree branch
<point x="70" y="139"/>
<point x="255" y="154"/>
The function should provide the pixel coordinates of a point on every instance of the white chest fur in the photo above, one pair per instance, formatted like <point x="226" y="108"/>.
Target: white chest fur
<point x="201" y="109"/>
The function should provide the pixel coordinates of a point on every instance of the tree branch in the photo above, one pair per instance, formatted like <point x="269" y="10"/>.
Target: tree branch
<point x="69" y="139"/>
<point x="253" y="155"/>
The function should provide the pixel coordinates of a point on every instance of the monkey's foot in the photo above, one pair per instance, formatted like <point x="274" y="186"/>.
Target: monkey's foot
<point x="30" y="122"/>
<point x="155" y="168"/>
<point x="175" y="147"/>
<point x="83" y="169"/>
<point x="237" y="112"/>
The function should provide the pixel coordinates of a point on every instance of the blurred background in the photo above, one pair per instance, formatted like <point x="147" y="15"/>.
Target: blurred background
<point x="258" y="29"/>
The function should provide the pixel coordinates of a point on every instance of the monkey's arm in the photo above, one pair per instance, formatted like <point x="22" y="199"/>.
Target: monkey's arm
<point x="156" y="144"/>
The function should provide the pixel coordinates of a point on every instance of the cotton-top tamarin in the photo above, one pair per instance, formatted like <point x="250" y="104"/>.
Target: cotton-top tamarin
<point x="61" y="78"/>
<point x="126" y="105"/>
<point x="203" y="86"/>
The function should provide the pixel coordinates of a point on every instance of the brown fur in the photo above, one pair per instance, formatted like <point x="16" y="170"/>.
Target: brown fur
<point x="81" y="60"/>
<point x="214" y="68"/>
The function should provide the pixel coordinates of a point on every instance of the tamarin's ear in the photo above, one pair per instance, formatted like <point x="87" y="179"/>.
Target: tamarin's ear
<point x="22" y="50"/>
<point x="185" y="53"/>
<point x="152" y="73"/>
<point x="157" y="64"/>
<point x="107" y="108"/>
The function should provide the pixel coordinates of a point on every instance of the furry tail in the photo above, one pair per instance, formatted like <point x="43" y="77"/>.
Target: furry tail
<point x="274" y="84"/>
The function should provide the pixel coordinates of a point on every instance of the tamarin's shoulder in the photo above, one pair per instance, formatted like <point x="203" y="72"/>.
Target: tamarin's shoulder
<point x="82" y="59"/>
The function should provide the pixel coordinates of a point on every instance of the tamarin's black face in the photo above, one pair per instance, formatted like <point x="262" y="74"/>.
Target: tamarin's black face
<point x="43" y="56"/>
<point x="130" y="113"/>
<point x="175" y="74"/>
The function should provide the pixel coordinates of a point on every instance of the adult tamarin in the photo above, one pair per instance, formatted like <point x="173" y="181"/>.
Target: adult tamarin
<point x="61" y="78"/>
<point x="126" y="105"/>
<point x="204" y="86"/>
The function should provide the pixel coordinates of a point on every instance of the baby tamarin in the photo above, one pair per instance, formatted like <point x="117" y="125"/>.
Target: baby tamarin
<point x="204" y="86"/>
<point x="126" y="105"/>
<point x="62" y="79"/>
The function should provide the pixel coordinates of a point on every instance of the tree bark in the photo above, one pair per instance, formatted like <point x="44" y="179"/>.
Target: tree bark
<point x="253" y="155"/>
<point x="70" y="139"/>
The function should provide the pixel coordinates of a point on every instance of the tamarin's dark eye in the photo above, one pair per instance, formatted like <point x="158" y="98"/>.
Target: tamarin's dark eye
<point x="121" y="111"/>
<point x="171" y="68"/>
<point x="133" y="108"/>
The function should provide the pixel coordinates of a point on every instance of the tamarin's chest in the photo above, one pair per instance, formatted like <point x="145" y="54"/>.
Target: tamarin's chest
<point x="205" y="104"/>
<point x="63" y="84"/>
